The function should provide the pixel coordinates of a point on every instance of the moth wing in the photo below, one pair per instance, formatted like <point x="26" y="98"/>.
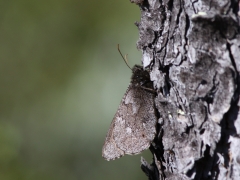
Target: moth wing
<point x="110" y="150"/>
<point x="133" y="126"/>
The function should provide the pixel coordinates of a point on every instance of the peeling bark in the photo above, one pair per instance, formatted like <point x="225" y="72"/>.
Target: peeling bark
<point x="192" y="51"/>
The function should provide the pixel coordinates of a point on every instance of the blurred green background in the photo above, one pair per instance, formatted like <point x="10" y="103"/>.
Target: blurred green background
<point x="62" y="80"/>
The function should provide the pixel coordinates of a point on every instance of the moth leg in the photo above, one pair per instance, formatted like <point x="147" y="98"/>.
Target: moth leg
<point x="149" y="90"/>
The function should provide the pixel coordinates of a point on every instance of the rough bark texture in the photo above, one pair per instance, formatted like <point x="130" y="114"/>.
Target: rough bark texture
<point x="192" y="51"/>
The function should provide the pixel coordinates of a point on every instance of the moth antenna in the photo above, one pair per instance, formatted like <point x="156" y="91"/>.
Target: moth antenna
<point x="124" y="58"/>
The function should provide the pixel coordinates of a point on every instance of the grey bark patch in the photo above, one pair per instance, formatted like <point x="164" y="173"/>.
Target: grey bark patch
<point x="134" y="125"/>
<point x="193" y="51"/>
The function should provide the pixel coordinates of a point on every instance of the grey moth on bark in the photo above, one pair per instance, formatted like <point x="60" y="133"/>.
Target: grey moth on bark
<point x="133" y="127"/>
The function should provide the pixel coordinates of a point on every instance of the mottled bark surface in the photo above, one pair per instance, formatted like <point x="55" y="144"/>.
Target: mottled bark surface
<point x="192" y="51"/>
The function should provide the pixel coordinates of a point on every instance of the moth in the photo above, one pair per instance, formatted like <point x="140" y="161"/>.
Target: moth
<point x="133" y="127"/>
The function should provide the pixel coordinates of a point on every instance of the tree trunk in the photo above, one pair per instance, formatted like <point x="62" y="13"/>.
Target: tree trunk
<point x="192" y="52"/>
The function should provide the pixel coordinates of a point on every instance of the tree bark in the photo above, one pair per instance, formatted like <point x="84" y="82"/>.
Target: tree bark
<point x="192" y="51"/>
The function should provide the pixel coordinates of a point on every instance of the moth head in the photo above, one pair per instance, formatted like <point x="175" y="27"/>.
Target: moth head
<point x="140" y="77"/>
